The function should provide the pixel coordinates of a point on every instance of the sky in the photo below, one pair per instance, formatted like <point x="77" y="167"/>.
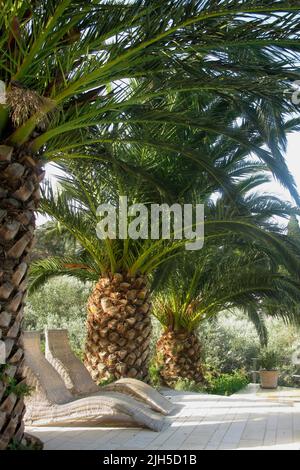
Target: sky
<point x="292" y="158"/>
<point x="293" y="161"/>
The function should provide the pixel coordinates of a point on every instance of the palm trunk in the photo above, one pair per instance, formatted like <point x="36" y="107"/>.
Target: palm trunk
<point x="179" y="356"/>
<point x="20" y="175"/>
<point x="119" y="328"/>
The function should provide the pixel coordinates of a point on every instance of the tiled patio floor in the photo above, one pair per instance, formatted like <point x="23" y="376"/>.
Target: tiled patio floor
<point x="252" y="419"/>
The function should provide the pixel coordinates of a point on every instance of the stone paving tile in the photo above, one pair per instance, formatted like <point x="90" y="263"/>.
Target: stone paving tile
<point x="251" y="444"/>
<point x="227" y="447"/>
<point x="116" y="441"/>
<point x="218" y="436"/>
<point x="243" y="421"/>
<point x="270" y="437"/>
<point x="234" y="433"/>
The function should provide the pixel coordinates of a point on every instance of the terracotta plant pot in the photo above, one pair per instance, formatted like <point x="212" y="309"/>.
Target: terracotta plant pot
<point x="269" y="379"/>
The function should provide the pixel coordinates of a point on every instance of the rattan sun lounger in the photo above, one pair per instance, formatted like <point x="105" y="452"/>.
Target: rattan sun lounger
<point x="78" y="380"/>
<point x="52" y="404"/>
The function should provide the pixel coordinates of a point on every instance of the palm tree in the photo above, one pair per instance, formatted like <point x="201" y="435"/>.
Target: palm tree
<point x="118" y="322"/>
<point x="64" y="72"/>
<point x="232" y="274"/>
<point x="227" y="277"/>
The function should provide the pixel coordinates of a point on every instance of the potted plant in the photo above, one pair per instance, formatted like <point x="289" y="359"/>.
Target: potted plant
<point x="269" y="373"/>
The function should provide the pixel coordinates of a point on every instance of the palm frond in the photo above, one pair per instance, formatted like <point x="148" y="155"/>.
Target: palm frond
<point x="42" y="270"/>
<point x="83" y="60"/>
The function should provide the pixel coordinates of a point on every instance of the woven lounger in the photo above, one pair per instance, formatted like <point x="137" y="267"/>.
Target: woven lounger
<point x="52" y="404"/>
<point x="78" y="380"/>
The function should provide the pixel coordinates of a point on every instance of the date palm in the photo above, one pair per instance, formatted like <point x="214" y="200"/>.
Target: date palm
<point x="65" y="67"/>
<point x="118" y="320"/>
<point x="230" y="274"/>
<point x="225" y="278"/>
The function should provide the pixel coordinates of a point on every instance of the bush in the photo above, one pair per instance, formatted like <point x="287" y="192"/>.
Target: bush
<point x="227" y="384"/>
<point x="60" y="303"/>
<point x="224" y="384"/>
<point x="187" y="385"/>
<point x="154" y="373"/>
<point x="231" y="343"/>
<point x="268" y="359"/>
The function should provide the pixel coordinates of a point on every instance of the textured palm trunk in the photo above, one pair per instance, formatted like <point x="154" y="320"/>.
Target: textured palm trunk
<point x="20" y="175"/>
<point x="118" y="328"/>
<point x="179" y="356"/>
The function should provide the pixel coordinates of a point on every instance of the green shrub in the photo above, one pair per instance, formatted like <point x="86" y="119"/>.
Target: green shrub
<point x="187" y="385"/>
<point x="224" y="384"/>
<point x="60" y="303"/>
<point x="227" y="384"/>
<point x="230" y="343"/>
<point x="268" y="359"/>
<point x="154" y="373"/>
